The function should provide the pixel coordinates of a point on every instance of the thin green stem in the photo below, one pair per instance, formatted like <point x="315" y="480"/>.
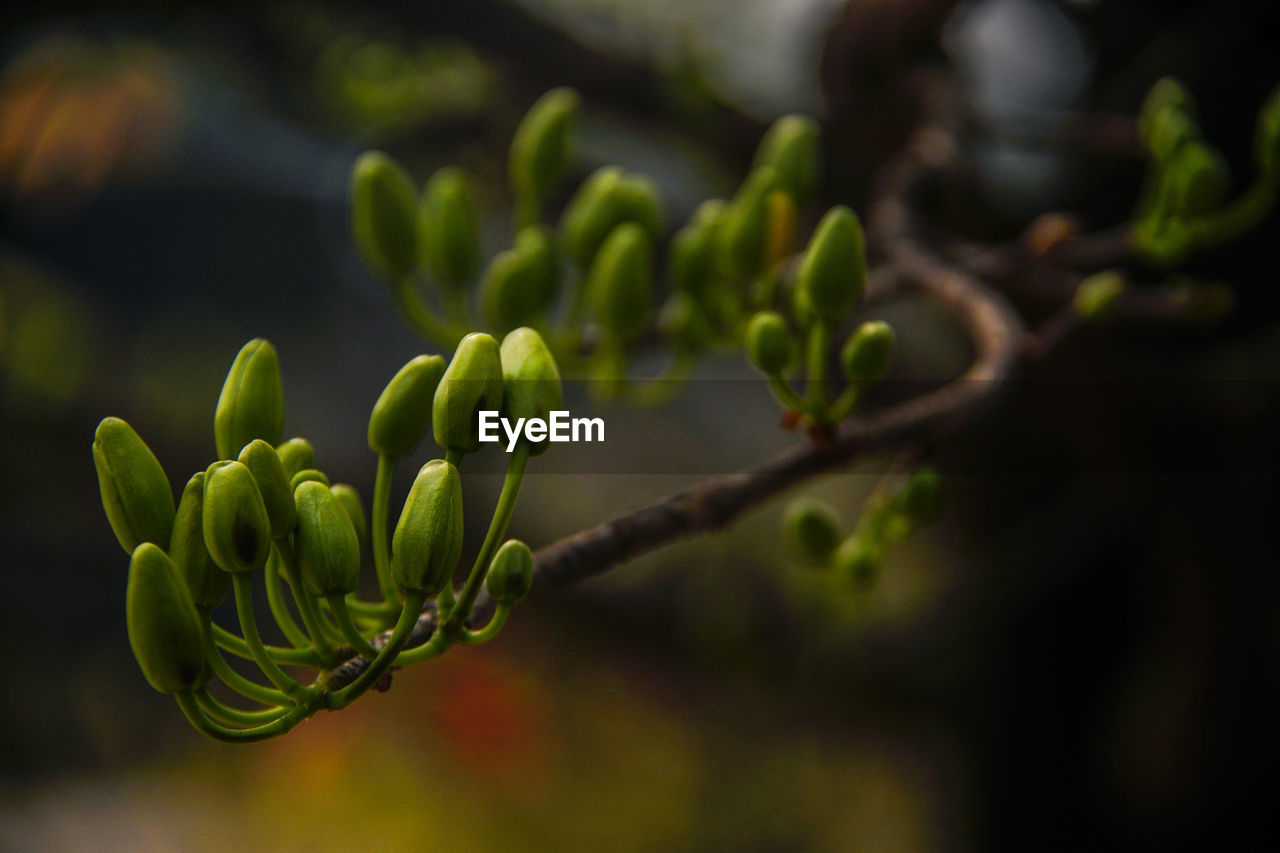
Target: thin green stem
<point x="242" y="584"/>
<point x="191" y="708"/>
<point x="434" y="647"/>
<point x="234" y="680"/>
<point x="235" y="716"/>
<point x="788" y="397"/>
<point x="419" y="315"/>
<point x="409" y="613"/>
<point x="238" y="647"/>
<point x="381" y="541"/>
<point x="338" y="606"/>
<point x="316" y="627"/>
<point x="844" y="404"/>
<point x="489" y="631"/>
<point x="280" y="610"/>
<point x="819" y="340"/>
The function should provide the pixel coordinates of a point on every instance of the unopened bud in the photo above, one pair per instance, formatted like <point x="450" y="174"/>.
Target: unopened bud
<point x="268" y="473"/>
<point x="428" y="537"/>
<point x="251" y="404"/>
<point x="510" y="573"/>
<point x="791" y="148"/>
<point x="402" y="414"/>
<point x="620" y="284"/>
<point x="164" y="627"/>
<point x="135" y="491"/>
<point x="812" y="529"/>
<point x="540" y="148"/>
<point x="207" y="583"/>
<point x="451" y="229"/>
<point x="326" y="545"/>
<point x="384" y="215"/>
<point x="834" y="273"/>
<point x="237" y="531"/>
<point x="471" y="383"/>
<point x="865" y="356"/>
<point x="769" y="343"/>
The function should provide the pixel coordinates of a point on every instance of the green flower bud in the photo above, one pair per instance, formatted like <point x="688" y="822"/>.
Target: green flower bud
<point x="135" y="491"/>
<point x="402" y="414"/>
<point x="1167" y="92"/>
<point x="451" y="229"/>
<point x="1266" y="137"/>
<point x="833" y="275"/>
<point x="859" y="561"/>
<point x="326" y="544"/>
<point x="428" y="537"/>
<point x="743" y="234"/>
<point x="692" y="258"/>
<point x="207" y="583"/>
<point x="531" y="380"/>
<point x="384" y="216"/>
<point x="684" y="322"/>
<point x="268" y="473"/>
<point x="1170" y="129"/>
<point x="1096" y="295"/>
<point x="923" y="496"/>
<point x="642" y="203"/>
<point x="350" y="500"/>
<point x="237" y="531"/>
<point x="520" y="284"/>
<point x="865" y="356"/>
<point x="296" y="454"/>
<point x="164" y="627"/>
<point x="791" y="148"/>
<point x="769" y="343"/>
<point x="620" y="284"/>
<point x="251" y="404"/>
<point x="307" y="475"/>
<point x="540" y="148"/>
<point x="472" y="382"/>
<point x="604" y="201"/>
<point x="1199" y="179"/>
<point x="510" y="573"/>
<point x="812" y="529"/>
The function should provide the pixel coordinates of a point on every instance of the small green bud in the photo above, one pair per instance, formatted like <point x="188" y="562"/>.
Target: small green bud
<point x="859" y="561"/>
<point x="1199" y="179"/>
<point x="451" y="229"/>
<point x="135" y="491"/>
<point x="326" y="544"/>
<point x="1096" y="295"/>
<point x="743" y="234"/>
<point x="1167" y="92"/>
<point x="350" y="500"/>
<point x="865" y="356"/>
<point x="769" y="343"/>
<point x="812" y="529"/>
<point x="296" y="454"/>
<point x="833" y="275"/>
<point x="923" y="496"/>
<point x="307" y="475"/>
<point x="471" y="383"/>
<point x="521" y="283"/>
<point x="510" y="573"/>
<point x="684" y="322"/>
<point x="531" y="380"/>
<point x="620" y="284"/>
<point x="384" y="215"/>
<point x="1266" y="137"/>
<point x="1170" y="129"/>
<point x="791" y="148"/>
<point x="268" y="473"/>
<point x="692" y="259"/>
<point x="207" y="583"/>
<point x="402" y="414"/>
<point x="237" y="531"/>
<point x="642" y="203"/>
<point x="606" y="200"/>
<point x="251" y="404"/>
<point x="164" y="627"/>
<point x="428" y="537"/>
<point x="540" y="148"/>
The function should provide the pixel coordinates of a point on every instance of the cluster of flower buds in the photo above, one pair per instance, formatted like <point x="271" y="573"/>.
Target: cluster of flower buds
<point x="264" y="515"/>
<point x="815" y="534"/>
<point x="1184" y="204"/>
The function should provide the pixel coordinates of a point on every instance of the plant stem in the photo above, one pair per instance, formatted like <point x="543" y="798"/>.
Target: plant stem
<point x="381" y="543"/>
<point x="490" y="630"/>
<point x="819" y="338"/>
<point x="279" y="610"/>
<point x="191" y="707"/>
<point x="420" y="316"/>
<point x="307" y="607"/>
<point x="238" y="647"/>
<point x="338" y="606"/>
<point x="413" y="602"/>
<point x="234" y="680"/>
<point x="234" y="716"/>
<point x="242" y="584"/>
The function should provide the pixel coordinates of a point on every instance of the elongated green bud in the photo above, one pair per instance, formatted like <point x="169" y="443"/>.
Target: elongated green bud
<point x="834" y="273"/>
<point x="307" y="475"/>
<point x="164" y="627"/>
<point x="692" y="259"/>
<point x="237" y="531"/>
<point x="1266" y="137"/>
<point x="471" y="383"/>
<point x="384" y="216"/>
<point x="620" y="285"/>
<point x="510" y="573"/>
<point x="350" y="500"/>
<point x="1199" y="179"/>
<point x="207" y="583"/>
<point x="642" y="203"/>
<point x="769" y="343"/>
<point x="1167" y="92"/>
<point x="923" y="496"/>
<point x="812" y="529"/>
<point x="402" y="414"/>
<point x="520" y="284"/>
<point x="791" y="148"/>
<point x="428" y="537"/>
<point x="135" y="491"/>
<point x="865" y="356"/>
<point x="326" y="544"/>
<point x="604" y="201"/>
<point x="859" y="561"/>
<point x="268" y="473"/>
<point x="743" y="233"/>
<point x="1096" y="295"/>
<point x="1170" y="129"/>
<point x="531" y="381"/>
<point x="295" y="455"/>
<point x="540" y="149"/>
<point x="251" y="404"/>
<point x="451" y="229"/>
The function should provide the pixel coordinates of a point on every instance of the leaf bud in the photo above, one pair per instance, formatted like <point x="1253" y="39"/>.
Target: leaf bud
<point x="451" y="229"/>
<point x="428" y="537"/>
<point x="251" y="404"/>
<point x="268" y="473"/>
<point x="207" y="584"/>
<point x="833" y="275"/>
<point x="791" y="147"/>
<point x="812" y="529"/>
<point x="510" y="574"/>
<point x="135" y="491"/>
<point x="540" y="148"/>
<point x="620" y="284"/>
<point x="350" y="500"/>
<point x="769" y="343"/>
<point x="865" y="356"/>
<point x="472" y="382"/>
<point x="237" y="531"/>
<point x="326" y="545"/>
<point x="385" y="218"/>
<point x="164" y="627"/>
<point x="296" y="454"/>
<point x="402" y="414"/>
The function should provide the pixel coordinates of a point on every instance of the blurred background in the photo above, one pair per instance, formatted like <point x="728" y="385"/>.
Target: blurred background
<point x="1082" y="655"/>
